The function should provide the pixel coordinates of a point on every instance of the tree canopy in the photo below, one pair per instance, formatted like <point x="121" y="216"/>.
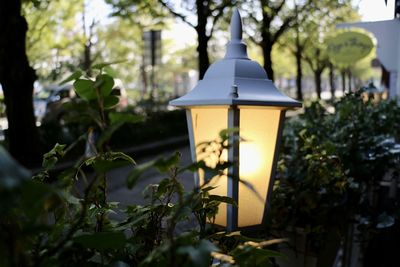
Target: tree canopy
<point x="286" y="37"/>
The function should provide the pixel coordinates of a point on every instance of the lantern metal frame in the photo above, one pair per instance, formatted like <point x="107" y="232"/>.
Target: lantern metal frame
<point x="235" y="82"/>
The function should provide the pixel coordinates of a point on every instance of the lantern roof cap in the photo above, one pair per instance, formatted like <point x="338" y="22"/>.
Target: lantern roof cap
<point x="235" y="79"/>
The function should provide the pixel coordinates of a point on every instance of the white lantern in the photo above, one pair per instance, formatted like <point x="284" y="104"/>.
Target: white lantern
<point x="236" y="93"/>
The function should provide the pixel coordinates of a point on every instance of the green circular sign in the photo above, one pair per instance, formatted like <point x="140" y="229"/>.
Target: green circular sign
<point x="349" y="47"/>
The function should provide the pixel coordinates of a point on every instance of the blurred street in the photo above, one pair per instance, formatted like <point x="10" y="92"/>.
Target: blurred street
<point x="118" y="191"/>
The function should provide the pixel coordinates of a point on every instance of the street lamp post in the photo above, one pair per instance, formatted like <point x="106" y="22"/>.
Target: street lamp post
<point x="236" y="93"/>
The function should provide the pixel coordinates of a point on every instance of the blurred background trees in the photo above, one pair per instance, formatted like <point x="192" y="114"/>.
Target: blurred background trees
<point x="67" y="34"/>
<point x="54" y="40"/>
<point x="287" y="37"/>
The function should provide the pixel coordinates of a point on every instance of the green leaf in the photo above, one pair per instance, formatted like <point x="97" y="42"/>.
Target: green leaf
<point x="76" y="75"/>
<point x="208" y="188"/>
<point x="51" y="158"/>
<point x="119" y="155"/>
<point x="210" y="173"/>
<point x="224" y="134"/>
<point x="85" y="89"/>
<point x="163" y="186"/>
<point x="102" y="240"/>
<point x="105" y="83"/>
<point x="118" y="117"/>
<point x="108" y="161"/>
<point x="110" y="101"/>
<point x="102" y="166"/>
<point x="163" y="165"/>
<point x="193" y="167"/>
<point x="116" y="160"/>
<point x="110" y="71"/>
<point x="223" y="199"/>
<point x="135" y="174"/>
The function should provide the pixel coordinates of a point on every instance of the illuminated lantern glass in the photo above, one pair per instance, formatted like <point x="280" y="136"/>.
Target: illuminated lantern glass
<point x="374" y="94"/>
<point x="236" y="93"/>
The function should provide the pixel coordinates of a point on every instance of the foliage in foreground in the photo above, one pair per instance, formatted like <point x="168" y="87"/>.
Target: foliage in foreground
<point x="66" y="219"/>
<point x="45" y="224"/>
<point x="331" y="167"/>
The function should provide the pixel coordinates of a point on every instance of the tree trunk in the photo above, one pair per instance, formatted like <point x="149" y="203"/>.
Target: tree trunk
<point x="17" y="78"/>
<point x="298" y="52"/>
<point x="87" y="58"/>
<point x="204" y="61"/>
<point x="299" y="75"/>
<point x="349" y="79"/>
<point x="87" y="46"/>
<point x="202" y="38"/>
<point x="332" y="80"/>
<point x="317" y="79"/>
<point x="343" y="74"/>
<point x="267" y="51"/>
<point x="144" y="80"/>
<point x="385" y="78"/>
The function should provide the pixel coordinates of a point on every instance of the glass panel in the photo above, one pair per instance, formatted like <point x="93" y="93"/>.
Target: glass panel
<point x="207" y="123"/>
<point x="259" y="129"/>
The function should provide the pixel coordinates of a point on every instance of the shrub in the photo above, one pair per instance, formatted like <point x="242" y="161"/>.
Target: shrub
<point x="330" y="164"/>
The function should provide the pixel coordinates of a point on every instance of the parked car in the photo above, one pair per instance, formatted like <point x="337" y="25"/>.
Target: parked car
<point x="48" y="102"/>
<point x="120" y="91"/>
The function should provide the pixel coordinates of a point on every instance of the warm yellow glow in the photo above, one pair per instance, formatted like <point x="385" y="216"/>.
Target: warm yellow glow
<point x="250" y="158"/>
<point x="259" y="129"/>
<point x="207" y="123"/>
<point x="375" y="97"/>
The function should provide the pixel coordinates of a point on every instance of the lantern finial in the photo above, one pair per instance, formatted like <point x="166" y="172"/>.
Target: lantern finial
<point x="236" y="26"/>
<point x="236" y="49"/>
